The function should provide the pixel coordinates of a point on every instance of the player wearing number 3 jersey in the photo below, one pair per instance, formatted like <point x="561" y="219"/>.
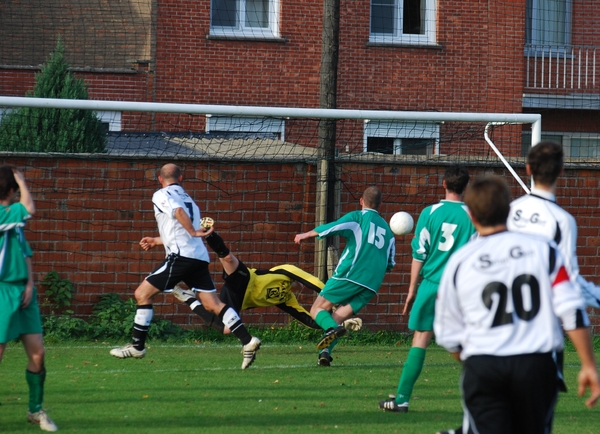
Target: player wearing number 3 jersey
<point x="501" y="302"/>
<point x="441" y="229"/>
<point x="369" y="253"/>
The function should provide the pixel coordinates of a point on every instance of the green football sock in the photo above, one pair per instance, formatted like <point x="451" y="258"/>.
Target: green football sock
<point x="332" y="345"/>
<point x="325" y="320"/>
<point x="410" y="372"/>
<point x="36" y="389"/>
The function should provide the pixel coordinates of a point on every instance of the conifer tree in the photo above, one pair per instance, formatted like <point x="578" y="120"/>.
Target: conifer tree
<point x="54" y="130"/>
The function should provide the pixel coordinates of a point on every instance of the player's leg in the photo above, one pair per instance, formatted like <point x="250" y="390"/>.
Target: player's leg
<point x="195" y="305"/>
<point x="486" y="399"/>
<point x="534" y="392"/>
<point x="421" y="321"/>
<point x="144" y="294"/>
<point x="197" y="277"/>
<point x="35" y="373"/>
<point x="321" y="313"/>
<point x="164" y="277"/>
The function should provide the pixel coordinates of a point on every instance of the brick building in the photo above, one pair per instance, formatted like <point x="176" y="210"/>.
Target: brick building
<point x="503" y="56"/>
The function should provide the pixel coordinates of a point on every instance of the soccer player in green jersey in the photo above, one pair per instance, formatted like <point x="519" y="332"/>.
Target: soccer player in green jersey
<point x="19" y="310"/>
<point x="441" y="229"/>
<point x="368" y="255"/>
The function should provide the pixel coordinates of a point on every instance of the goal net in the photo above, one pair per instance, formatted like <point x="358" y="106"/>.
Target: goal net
<point x="262" y="173"/>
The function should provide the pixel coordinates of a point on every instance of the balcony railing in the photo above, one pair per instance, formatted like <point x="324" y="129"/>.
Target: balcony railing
<point x="570" y="68"/>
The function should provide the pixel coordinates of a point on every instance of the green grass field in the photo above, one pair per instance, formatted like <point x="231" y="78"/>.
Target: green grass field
<point x="201" y="388"/>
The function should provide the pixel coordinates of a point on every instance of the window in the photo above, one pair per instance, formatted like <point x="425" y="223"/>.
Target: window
<point x="575" y="145"/>
<point x="403" y="21"/>
<point x="110" y="120"/>
<point x="402" y="137"/>
<point x="245" y="125"/>
<point x="548" y="22"/>
<point x="245" y="18"/>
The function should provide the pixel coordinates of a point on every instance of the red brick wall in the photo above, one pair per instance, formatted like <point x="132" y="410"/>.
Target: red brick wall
<point x="92" y="214"/>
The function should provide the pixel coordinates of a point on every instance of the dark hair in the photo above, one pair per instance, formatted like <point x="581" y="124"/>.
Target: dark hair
<point x="488" y="199"/>
<point x="457" y="178"/>
<point x="545" y="162"/>
<point x="372" y="197"/>
<point x="7" y="182"/>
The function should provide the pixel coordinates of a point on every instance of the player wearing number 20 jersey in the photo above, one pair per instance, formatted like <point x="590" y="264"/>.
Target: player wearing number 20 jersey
<point x="175" y="238"/>
<point x="501" y="295"/>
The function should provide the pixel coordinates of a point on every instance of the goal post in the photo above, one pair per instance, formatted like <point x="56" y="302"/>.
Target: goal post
<point x="257" y="171"/>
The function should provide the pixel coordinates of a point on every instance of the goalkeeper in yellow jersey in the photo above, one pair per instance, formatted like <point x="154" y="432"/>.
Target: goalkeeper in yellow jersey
<point x="248" y="288"/>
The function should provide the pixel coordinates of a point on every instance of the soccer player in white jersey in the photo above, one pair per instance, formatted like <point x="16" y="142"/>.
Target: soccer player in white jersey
<point x="441" y="230"/>
<point x="538" y="213"/>
<point x="500" y="305"/>
<point x="187" y="260"/>
<point x="368" y="255"/>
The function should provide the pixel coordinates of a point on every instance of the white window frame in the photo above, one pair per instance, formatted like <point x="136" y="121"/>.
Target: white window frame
<point x="567" y="137"/>
<point x="399" y="130"/>
<point x="241" y="31"/>
<point x="538" y="20"/>
<point x="113" y="119"/>
<point x="429" y="36"/>
<point x="245" y="124"/>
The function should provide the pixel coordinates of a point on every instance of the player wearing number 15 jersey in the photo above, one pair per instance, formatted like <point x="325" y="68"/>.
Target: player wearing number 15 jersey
<point x="501" y="302"/>
<point x="441" y="229"/>
<point x="369" y="253"/>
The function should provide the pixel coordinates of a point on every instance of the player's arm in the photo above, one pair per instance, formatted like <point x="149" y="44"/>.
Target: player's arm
<point x="415" y="270"/>
<point x="449" y="323"/>
<point x="303" y="236"/>
<point x="588" y="374"/>
<point x="26" y="198"/>
<point x="184" y="219"/>
<point x="148" y="243"/>
<point x="28" y="293"/>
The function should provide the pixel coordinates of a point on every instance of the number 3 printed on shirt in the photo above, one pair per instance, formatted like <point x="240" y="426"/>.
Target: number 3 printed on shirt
<point x="376" y="235"/>
<point x="447" y="231"/>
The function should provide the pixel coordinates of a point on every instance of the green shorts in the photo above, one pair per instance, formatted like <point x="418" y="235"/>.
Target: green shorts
<point x="423" y="309"/>
<point x="15" y="321"/>
<point x="345" y="292"/>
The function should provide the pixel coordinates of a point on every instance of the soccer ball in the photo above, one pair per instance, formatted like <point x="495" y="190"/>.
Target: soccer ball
<point x="207" y="223"/>
<point x="401" y="223"/>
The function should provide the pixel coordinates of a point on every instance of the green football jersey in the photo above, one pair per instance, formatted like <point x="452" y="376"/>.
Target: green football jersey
<point x="441" y="230"/>
<point x="370" y="247"/>
<point x="13" y="245"/>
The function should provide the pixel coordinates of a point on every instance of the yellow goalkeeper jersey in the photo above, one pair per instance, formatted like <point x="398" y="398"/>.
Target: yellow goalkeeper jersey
<point x="274" y="287"/>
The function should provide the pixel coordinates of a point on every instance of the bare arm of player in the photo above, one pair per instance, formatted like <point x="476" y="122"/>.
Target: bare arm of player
<point x="26" y="198"/>
<point x="149" y="242"/>
<point x="300" y="237"/>
<point x="183" y="218"/>
<point x="28" y="293"/>
<point x="588" y="375"/>
<point x="415" y="269"/>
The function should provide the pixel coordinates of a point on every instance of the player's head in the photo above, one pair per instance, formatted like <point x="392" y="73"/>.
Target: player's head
<point x="169" y="174"/>
<point x="457" y="178"/>
<point x="488" y="199"/>
<point x="8" y="184"/>
<point x="371" y="198"/>
<point x="545" y="162"/>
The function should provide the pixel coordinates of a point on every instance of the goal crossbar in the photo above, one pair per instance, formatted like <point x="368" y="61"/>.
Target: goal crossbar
<point x="281" y="112"/>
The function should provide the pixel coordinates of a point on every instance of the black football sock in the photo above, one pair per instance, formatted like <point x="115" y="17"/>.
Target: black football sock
<point x="216" y="243"/>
